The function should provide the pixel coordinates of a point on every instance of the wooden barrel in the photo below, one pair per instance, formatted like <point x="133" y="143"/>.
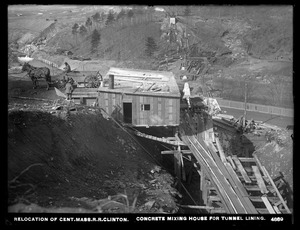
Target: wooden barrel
<point x="111" y="81"/>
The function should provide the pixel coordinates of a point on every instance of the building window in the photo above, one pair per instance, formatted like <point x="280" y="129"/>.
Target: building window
<point x="145" y="107"/>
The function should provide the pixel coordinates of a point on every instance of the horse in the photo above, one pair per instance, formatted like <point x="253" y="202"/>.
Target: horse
<point x="37" y="73"/>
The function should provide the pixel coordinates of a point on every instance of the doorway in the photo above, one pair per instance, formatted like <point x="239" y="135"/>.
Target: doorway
<point x="127" y="112"/>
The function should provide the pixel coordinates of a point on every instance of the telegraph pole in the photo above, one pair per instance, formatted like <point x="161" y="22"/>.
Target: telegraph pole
<point x="245" y="108"/>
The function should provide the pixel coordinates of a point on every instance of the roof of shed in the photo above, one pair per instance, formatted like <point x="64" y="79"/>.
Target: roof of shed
<point x="142" y="82"/>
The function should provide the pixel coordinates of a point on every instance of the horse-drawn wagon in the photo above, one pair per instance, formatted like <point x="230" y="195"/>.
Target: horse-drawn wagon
<point x="86" y="79"/>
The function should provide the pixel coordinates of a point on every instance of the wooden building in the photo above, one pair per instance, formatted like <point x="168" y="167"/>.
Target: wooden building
<point x="141" y="97"/>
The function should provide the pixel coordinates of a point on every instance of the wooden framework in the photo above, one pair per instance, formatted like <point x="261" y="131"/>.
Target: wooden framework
<point x="228" y="184"/>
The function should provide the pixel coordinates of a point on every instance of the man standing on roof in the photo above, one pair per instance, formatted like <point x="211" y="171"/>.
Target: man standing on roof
<point x="187" y="93"/>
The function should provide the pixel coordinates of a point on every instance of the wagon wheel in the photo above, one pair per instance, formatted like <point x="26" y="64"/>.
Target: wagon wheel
<point x="91" y="82"/>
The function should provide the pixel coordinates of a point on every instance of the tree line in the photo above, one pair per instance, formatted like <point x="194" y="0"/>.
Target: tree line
<point x="93" y="25"/>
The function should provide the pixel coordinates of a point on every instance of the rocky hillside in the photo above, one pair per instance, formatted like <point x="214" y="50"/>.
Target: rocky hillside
<point x="58" y="159"/>
<point x="267" y="34"/>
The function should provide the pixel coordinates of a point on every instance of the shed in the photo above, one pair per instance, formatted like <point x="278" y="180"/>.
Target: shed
<point x="141" y="97"/>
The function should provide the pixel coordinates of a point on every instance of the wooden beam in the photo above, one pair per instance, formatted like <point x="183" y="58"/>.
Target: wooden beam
<point x="273" y="199"/>
<point x="217" y="210"/>
<point x="241" y="169"/>
<point x="173" y="151"/>
<point x="236" y="179"/>
<point x="254" y="187"/>
<point x="220" y="149"/>
<point x="214" y="198"/>
<point x="268" y="205"/>
<point x="183" y="175"/>
<point x="237" y="187"/>
<point x="260" y="180"/>
<point x="196" y="207"/>
<point x="277" y="192"/>
<point x="276" y="209"/>
<point x="260" y="165"/>
<point x="266" y="211"/>
<point x="177" y="167"/>
<point x="202" y="157"/>
<point x="204" y="190"/>
<point x="231" y="162"/>
<point x="246" y="159"/>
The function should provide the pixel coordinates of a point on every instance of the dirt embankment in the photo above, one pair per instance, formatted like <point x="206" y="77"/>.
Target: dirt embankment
<point x="81" y="160"/>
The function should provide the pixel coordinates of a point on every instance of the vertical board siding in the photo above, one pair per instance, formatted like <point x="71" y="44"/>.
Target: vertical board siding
<point x="89" y="101"/>
<point x="146" y="112"/>
<point x="109" y="103"/>
<point x="163" y="111"/>
<point x="170" y="111"/>
<point x="166" y="111"/>
<point x="106" y="102"/>
<point x="178" y="111"/>
<point x="155" y="106"/>
<point x="141" y="118"/>
<point x="151" y="110"/>
<point x="120" y="106"/>
<point x="159" y="106"/>
<point x="113" y="100"/>
<point x="138" y="108"/>
<point x="134" y="110"/>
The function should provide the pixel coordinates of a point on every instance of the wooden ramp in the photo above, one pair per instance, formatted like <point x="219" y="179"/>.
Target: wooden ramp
<point x="229" y="184"/>
<point x="166" y="140"/>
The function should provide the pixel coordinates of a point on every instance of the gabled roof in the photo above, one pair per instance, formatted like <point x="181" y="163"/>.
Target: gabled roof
<point x="142" y="82"/>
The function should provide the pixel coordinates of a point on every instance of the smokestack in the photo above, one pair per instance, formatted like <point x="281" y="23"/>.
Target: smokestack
<point x="111" y="82"/>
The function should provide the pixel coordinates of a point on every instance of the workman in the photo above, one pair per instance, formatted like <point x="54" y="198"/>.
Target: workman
<point x="69" y="90"/>
<point x="99" y="76"/>
<point x="67" y="68"/>
<point x="187" y="93"/>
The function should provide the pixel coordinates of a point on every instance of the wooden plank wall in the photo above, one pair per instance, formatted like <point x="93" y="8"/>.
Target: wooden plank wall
<point x="163" y="110"/>
<point x="86" y="101"/>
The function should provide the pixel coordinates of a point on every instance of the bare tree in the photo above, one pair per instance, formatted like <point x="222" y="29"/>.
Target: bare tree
<point x="88" y="23"/>
<point x="75" y="30"/>
<point x="96" y="19"/>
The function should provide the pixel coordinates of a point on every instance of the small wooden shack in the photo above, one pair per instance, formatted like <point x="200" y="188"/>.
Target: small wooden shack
<point x="141" y="97"/>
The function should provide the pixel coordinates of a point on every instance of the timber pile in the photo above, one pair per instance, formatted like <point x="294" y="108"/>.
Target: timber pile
<point x="229" y="184"/>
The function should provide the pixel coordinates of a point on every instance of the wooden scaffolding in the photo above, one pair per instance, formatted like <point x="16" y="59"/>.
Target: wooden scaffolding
<point x="228" y="184"/>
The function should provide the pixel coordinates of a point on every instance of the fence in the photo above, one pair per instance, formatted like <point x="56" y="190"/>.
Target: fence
<point x="50" y="63"/>
<point x="256" y="108"/>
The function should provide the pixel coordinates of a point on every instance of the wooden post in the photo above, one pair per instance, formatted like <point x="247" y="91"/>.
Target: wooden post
<point x="182" y="165"/>
<point x="111" y="81"/>
<point x="177" y="167"/>
<point x="205" y="190"/>
<point x="190" y="175"/>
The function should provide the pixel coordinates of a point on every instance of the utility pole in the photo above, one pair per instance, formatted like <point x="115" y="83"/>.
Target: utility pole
<point x="245" y="109"/>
